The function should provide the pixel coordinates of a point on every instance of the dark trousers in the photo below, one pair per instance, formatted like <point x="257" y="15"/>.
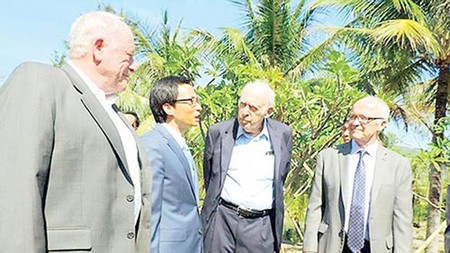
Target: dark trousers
<point x="365" y="249"/>
<point x="232" y="233"/>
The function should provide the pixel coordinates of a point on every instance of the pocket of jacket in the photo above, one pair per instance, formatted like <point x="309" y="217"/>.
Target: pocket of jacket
<point x="69" y="239"/>
<point x="389" y="242"/>
<point x="173" y="235"/>
<point x="323" y="227"/>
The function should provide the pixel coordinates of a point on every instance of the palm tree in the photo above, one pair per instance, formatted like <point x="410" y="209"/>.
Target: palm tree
<point x="274" y="35"/>
<point x="398" y="44"/>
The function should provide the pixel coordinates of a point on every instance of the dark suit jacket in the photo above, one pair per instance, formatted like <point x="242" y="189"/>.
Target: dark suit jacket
<point x="390" y="212"/>
<point x="176" y="223"/>
<point x="218" y="148"/>
<point x="65" y="183"/>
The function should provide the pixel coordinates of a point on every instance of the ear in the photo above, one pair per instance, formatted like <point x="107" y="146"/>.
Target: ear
<point x="98" y="51"/>
<point x="168" y="109"/>
<point x="382" y="125"/>
<point x="269" y="112"/>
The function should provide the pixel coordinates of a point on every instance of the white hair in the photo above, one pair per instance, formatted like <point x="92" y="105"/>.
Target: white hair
<point x="265" y="88"/>
<point x="89" y="27"/>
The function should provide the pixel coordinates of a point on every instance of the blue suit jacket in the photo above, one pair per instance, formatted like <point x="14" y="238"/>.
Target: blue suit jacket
<point x="176" y="224"/>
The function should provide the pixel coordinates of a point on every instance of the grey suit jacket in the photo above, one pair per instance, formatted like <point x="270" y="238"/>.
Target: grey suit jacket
<point x="65" y="184"/>
<point x="390" y="212"/>
<point x="176" y="224"/>
<point x="218" y="148"/>
<point x="447" y="229"/>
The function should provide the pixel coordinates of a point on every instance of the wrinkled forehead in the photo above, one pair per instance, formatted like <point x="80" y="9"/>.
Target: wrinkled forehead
<point x="254" y="96"/>
<point x="366" y="108"/>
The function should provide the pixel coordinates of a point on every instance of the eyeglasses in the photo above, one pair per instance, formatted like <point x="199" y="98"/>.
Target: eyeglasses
<point x="363" y="119"/>
<point x="189" y="101"/>
<point x="252" y="107"/>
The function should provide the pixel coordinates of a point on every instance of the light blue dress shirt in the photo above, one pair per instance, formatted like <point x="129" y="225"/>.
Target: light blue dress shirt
<point x="249" y="180"/>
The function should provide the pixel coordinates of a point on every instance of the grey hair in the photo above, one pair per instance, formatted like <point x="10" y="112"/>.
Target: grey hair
<point x="265" y="87"/>
<point x="89" y="27"/>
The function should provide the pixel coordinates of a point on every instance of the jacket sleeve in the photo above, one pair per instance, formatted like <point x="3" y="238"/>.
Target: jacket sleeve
<point x="156" y="160"/>
<point x="27" y="109"/>
<point x="289" y="138"/>
<point x="314" y="210"/>
<point x="403" y="210"/>
<point x="207" y="158"/>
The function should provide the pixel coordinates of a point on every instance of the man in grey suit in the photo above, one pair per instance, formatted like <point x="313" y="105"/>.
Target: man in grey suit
<point x="70" y="165"/>
<point x="361" y="197"/>
<point x="176" y="224"/>
<point x="246" y="162"/>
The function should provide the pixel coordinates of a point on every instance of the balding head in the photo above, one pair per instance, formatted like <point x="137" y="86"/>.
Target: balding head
<point x="256" y="103"/>
<point x="261" y="89"/>
<point x="90" y="27"/>
<point x="367" y="119"/>
<point x="378" y="107"/>
<point x="102" y="46"/>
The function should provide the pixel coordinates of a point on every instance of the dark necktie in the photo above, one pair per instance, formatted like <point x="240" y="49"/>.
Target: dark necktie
<point x="355" y="239"/>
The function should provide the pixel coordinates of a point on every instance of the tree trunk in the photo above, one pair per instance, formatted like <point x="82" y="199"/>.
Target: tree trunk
<point x="435" y="187"/>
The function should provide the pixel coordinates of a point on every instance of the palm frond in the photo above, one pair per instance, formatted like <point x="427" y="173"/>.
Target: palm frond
<point x="407" y="34"/>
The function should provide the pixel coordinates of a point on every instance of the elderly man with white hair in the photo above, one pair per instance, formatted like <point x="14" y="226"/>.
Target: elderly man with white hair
<point x="361" y="197"/>
<point x="70" y="164"/>
<point x="246" y="161"/>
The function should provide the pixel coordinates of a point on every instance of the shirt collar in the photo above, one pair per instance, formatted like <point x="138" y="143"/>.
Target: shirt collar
<point x="100" y="94"/>
<point x="176" y="135"/>
<point x="370" y="150"/>
<point x="264" y="133"/>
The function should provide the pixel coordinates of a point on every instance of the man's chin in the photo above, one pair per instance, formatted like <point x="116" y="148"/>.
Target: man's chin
<point x="121" y="88"/>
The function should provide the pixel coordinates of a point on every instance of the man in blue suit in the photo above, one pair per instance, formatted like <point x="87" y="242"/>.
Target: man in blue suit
<point x="176" y="223"/>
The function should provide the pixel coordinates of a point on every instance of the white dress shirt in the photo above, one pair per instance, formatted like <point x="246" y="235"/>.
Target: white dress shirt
<point x="126" y="137"/>
<point x="369" y="163"/>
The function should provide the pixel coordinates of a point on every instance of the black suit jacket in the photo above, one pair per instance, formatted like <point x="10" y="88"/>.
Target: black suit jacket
<point x="218" y="148"/>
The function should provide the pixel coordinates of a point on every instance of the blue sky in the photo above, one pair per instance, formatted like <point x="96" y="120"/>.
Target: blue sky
<point x="32" y="30"/>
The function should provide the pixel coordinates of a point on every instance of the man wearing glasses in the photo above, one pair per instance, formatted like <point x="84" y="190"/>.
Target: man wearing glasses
<point x="361" y="197"/>
<point x="246" y="161"/>
<point x="176" y="224"/>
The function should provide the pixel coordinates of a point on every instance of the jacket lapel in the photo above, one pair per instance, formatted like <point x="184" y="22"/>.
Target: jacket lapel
<point x="343" y="152"/>
<point x="380" y="172"/>
<point x="275" y="140"/>
<point x="102" y="119"/>
<point x="226" y="146"/>
<point x="173" y="145"/>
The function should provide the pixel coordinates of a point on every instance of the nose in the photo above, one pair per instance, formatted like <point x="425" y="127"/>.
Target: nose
<point x="244" y="113"/>
<point x="133" y="67"/>
<point x="245" y="109"/>
<point x="353" y="122"/>
<point x="198" y="106"/>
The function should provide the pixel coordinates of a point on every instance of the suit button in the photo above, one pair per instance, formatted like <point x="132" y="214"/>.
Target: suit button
<point x="130" y="198"/>
<point x="130" y="235"/>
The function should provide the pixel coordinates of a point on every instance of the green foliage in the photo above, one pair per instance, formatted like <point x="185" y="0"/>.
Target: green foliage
<point x="272" y="46"/>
